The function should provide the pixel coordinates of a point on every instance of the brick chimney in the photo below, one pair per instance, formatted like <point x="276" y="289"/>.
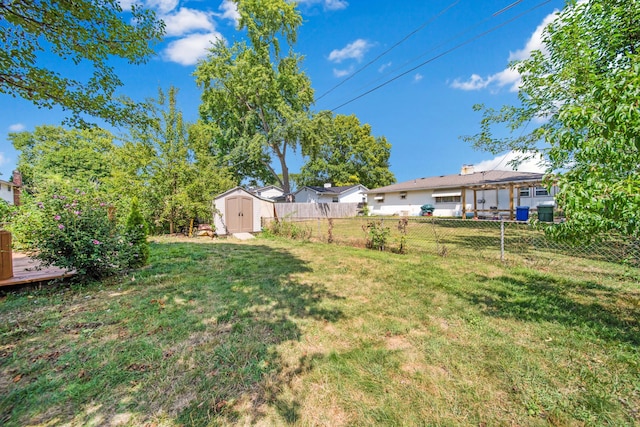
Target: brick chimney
<point x="17" y="182"/>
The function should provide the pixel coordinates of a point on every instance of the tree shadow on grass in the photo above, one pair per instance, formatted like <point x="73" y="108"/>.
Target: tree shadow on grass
<point x="193" y="338"/>
<point x="608" y="313"/>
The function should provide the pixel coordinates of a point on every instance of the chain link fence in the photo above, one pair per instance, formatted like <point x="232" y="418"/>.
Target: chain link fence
<point x="508" y="241"/>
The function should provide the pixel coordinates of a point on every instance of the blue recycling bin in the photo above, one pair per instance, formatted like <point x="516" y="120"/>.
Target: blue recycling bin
<point x="522" y="213"/>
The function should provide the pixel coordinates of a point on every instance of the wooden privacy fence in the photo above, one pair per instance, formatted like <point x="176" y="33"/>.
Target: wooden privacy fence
<point x="317" y="210"/>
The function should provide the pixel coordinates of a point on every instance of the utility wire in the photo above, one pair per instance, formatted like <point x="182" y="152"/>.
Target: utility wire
<point x="405" y="38"/>
<point x="456" y="47"/>
<point x="444" y="43"/>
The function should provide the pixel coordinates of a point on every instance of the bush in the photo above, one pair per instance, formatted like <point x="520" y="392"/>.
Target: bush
<point x="136" y="235"/>
<point x="78" y="231"/>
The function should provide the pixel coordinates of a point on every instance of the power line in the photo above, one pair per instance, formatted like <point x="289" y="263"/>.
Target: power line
<point x="442" y="12"/>
<point x="444" y="43"/>
<point x="446" y="52"/>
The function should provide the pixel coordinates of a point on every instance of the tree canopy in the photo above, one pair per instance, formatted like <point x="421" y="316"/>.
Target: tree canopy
<point x="582" y="91"/>
<point x="347" y="154"/>
<point x="85" y="32"/>
<point x="256" y="101"/>
<point x="83" y="155"/>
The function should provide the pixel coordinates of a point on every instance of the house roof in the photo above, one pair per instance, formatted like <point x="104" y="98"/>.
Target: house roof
<point x="268" y="187"/>
<point x="476" y="179"/>
<point x="333" y="191"/>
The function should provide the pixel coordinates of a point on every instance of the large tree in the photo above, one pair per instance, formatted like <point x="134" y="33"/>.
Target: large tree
<point x="347" y="154"/>
<point x="174" y="176"/>
<point x="256" y="100"/>
<point x="582" y="91"/>
<point x="39" y="36"/>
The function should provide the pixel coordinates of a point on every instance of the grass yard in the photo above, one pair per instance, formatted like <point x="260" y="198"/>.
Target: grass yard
<point x="273" y="332"/>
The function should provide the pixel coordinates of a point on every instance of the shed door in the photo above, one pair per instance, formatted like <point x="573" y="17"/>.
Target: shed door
<point x="239" y="211"/>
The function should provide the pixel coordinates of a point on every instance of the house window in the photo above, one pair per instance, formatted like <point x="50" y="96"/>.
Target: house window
<point x="403" y="195"/>
<point x="525" y="192"/>
<point x="541" y="191"/>
<point x="335" y="200"/>
<point x="379" y="198"/>
<point x="448" y="199"/>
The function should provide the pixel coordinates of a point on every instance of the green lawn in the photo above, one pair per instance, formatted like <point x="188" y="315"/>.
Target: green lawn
<point x="273" y="332"/>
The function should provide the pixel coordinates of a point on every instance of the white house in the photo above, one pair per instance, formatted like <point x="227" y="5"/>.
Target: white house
<point x="239" y="211"/>
<point x="10" y="190"/>
<point x="329" y="194"/>
<point x="269" y="192"/>
<point x="480" y="194"/>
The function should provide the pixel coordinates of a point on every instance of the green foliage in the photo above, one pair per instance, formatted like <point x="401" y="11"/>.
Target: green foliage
<point x="7" y="212"/>
<point x="170" y="168"/>
<point x="377" y="235"/>
<point x="256" y="100"/>
<point x="90" y="33"/>
<point x="77" y="231"/>
<point x="288" y="229"/>
<point x="84" y="155"/>
<point x="136" y="236"/>
<point x="586" y="87"/>
<point x="345" y="153"/>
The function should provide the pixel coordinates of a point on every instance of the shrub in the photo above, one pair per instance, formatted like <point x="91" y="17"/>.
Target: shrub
<point x="377" y="235"/>
<point x="76" y="233"/>
<point x="136" y="236"/>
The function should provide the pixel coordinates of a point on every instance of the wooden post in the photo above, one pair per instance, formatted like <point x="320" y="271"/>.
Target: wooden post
<point x="6" y="258"/>
<point x="511" y="201"/>
<point x="464" y="203"/>
<point x="475" y="203"/>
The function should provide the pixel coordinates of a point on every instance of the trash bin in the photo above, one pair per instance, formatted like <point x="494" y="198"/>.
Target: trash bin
<point x="427" y="210"/>
<point x="522" y="213"/>
<point x="545" y="213"/>
<point x="6" y="260"/>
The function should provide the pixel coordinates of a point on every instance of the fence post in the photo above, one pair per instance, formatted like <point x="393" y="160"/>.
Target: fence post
<point x="502" y="240"/>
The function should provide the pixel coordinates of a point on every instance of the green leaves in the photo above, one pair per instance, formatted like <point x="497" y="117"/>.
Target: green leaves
<point x="584" y="92"/>
<point x="86" y="32"/>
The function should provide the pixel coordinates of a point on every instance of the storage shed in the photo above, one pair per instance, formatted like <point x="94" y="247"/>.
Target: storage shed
<point x="239" y="211"/>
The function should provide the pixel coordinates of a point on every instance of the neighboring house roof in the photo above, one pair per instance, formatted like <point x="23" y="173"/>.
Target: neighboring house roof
<point x="268" y="187"/>
<point x="492" y="177"/>
<point x="332" y="191"/>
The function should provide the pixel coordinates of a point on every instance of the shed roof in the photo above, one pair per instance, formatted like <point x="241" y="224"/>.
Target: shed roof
<point x="476" y="179"/>
<point x="243" y="190"/>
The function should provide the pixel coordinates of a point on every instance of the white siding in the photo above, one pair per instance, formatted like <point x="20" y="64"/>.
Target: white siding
<point x="306" y="195"/>
<point x="394" y="204"/>
<point x="6" y="192"/>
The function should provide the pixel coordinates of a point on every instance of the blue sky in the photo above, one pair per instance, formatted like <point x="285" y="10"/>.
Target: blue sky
<point x="453" y="54"/>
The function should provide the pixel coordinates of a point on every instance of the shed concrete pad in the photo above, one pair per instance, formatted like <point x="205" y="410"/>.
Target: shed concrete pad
<point x="243" y="236"/>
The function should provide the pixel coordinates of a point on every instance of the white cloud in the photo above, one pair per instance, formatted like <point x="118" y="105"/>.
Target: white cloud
<point x="229" y="11"/>
<point x="190" y="49"/>
<point x="355" y="50"/>
<point x="186" y="20"/>
<point x="508" y="77"/>
<point x="17" y="127"/>
<point x="342" y="73"/>
<point x="503" y="163"/>
<point x="327" y="4"/>
<point x="162" y="6"/>
<point x="417" y="77"/>
<point x="3" y="159"/>
<point x="384" y="67"/>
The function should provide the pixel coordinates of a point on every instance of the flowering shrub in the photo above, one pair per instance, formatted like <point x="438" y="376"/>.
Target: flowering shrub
<point x="77" y="233"/>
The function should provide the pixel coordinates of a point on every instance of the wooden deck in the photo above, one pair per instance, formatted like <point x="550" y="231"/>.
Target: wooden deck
<point x="25" y="270"/>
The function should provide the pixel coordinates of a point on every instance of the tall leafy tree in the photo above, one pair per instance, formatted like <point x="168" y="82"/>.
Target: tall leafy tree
<point x="256" y="100"/>
<point x="583" y="93"/>
<point x="78" y="155"/>
<point x="348" y="154"/>
<point x="175" y="181"/>
<point x="85" y="32"/>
